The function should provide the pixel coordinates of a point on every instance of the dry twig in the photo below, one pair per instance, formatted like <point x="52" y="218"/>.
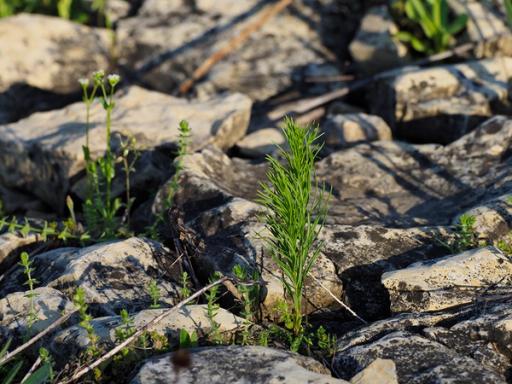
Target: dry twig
<point x="234" y="43"/>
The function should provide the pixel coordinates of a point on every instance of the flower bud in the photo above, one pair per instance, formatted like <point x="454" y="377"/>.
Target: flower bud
<point x="113" y="79"/>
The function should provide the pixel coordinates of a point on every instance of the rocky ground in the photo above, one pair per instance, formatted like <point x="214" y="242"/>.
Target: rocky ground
<point x="405" y="157"/>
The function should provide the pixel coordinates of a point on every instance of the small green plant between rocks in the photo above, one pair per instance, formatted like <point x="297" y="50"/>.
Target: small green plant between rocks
<point x="26" y="263"/>
<point x="436" y="32"/>
<point x="295" y="214"/>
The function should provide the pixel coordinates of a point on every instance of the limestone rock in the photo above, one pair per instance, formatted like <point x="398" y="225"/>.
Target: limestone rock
<point x="443" y="103"/>
<point x="380" y="371"/>
<point x="235" y="364"/>
<point x="374" y="48"/>
<point x="448" y="281"/>
<point x="11" y="246"/>
<point x="478" y="333"/>
<point x="49" y="306"/>
<point x="41" y="153"/>
<point x="114" y="275"/>
<point x="487" y="26"/>
<point x="273" y="59"/>
<point x="493" y="218"/>
<point x="362" y="253"/>
<point x="49" y="53"/>
<point x="418" y="360"/>
<point x="260" y="143"/>
<point x="42" y="59"/>
<point x="344" y="130"/>
<point x="191" y="318"/>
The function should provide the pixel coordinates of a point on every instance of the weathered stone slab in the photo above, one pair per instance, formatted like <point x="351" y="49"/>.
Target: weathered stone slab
<point x="443" y="103"/>
<point x="374" y="47"/>
<point x="42" y="58"/>
<point x="49" y="306"/>
<point x="449" y="281"/>
<point x="114" y="275"/>
<point x="42" y="152"/>
<point x="192" y="318"/>
<point x="235" y="364"/>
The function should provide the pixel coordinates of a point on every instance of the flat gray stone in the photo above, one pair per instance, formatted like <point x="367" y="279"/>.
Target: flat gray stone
<point x="235" y="364"/>
<point x="49" y="306"/>
<point x="448" y="281"/>
<point x="42" y="152"/>
<point x="443" y="103"/>
<point x="374" y="48"/>
<point x="114" y="275"/>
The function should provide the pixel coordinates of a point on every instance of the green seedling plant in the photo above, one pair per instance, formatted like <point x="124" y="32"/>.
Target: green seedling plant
<point x="187" y="340"/>
<point x="212" y="309"/>
<point x="250" y="294"/>
<point x="185" y="291"/>
<point x="294" y="215"/>
<point x="93" y="349"/>
<point x="325" y="341"/>
<point x="173" y="186"/>
<point x="432" y="16"/>
<point x="466" y="236"/>
<point x="26" y="263"/>
<point x="125" y="330"/>
<point x="100" y="207"/>
<point x="154" y="293"/>
<point x="47" y="230"/>
<point x="129" y="156"/>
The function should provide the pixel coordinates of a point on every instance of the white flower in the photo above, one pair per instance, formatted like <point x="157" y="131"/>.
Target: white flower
<point x="98" y="76"/>
<point x="113" y="79"/>
<point x="84" y="82"/>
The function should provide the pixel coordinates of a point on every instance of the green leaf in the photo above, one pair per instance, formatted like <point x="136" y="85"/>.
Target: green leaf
<point x="457" y="25"/>
<point x="424" y="18"/>
<point x="416" y="43"/>
<point x="40" y="376"/>
<point x="444" y="12"/>
<point x="5" y="348"/>
<point x="12" y="373"/>
<point x="508" y="10"/>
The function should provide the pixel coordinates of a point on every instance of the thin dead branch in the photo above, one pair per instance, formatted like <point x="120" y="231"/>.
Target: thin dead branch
<point x="234" y="43"/>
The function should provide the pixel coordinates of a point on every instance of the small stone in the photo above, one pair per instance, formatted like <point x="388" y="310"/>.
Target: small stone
<point x="382" y="371"/>
<point x="375" y="48"/>
<point x="260" y="143"/>
<point x="49" y="306"/>
<point x="344" y="130"/>
<point x="441" y="104"/>
<point x="448" y="281"/>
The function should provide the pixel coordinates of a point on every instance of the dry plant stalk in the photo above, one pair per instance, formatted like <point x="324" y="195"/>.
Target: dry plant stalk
<point x="233" y="44"/>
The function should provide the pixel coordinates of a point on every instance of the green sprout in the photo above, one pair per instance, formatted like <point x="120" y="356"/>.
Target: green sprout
<point x="295" y="215"/>
<point x="432" y="16"/>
